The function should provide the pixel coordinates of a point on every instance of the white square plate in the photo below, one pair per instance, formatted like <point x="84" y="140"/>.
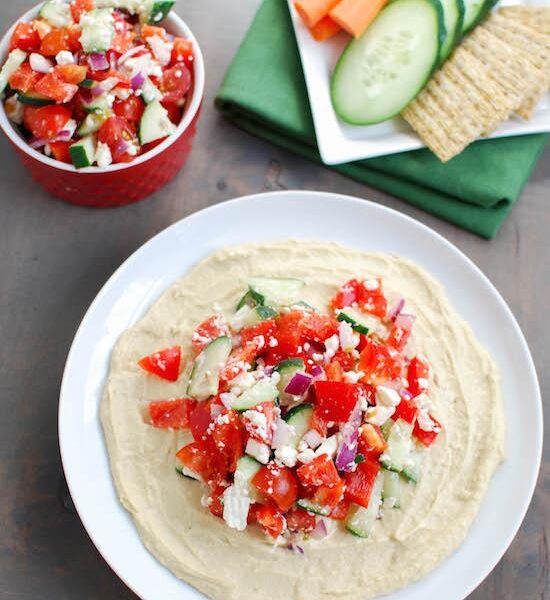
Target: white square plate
<point x="339" y="142"/>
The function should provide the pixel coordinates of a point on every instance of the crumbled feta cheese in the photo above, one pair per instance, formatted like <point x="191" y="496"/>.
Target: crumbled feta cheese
<point x="425" y="422"/>
<point x="161" y="49"/>
<point x="423" y="383"/>
<point x="64" y="58"/>
<point x="378" y="415"/>
<point x="423" y="401"/>
<point x="353" y="376"/>
<point x="236" y="504"/>
<point x="312" y="438"/>
<point x="273" y="342"/>
<point x="386" y="396"/>
<point x="258" y="451"/>
<point x="243" y="381"/>
<point x="328" y="447"/>
<point x="306" y="455"/>
<point x="302" y="445"/>
<point x="331" y="345"/>
<point x="189" y="473"/>
<point x="348" y="338"/>
<point x="256" y="423"/>
<point x="371" y="284"/>
<point x="103" y="155"/>
<point x="287" y="456"/>
<point x="98" y="29"/>
<point x="40" y="63"/>
<point x="275" y="377"/>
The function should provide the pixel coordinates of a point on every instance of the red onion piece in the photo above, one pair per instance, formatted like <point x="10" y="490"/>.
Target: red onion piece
<point x="295" y="548"/>
<point x="63" y="136"/>
<point x="345" y="459"/>
<point x="405" y="322"/>
<point x="98" y="61"/>
<point x="130" y="53"/>
<point x="405" y="395"/>
<point x="216" y="410"/>
<point x="397" y="308"/>
<point x="121" y="147"/>
<point x="320" y="532"/>
<point x="299" y="384"/>
<point x="137" y="81"/>
<point x="227" y="399"/>
<point x="313" y="438"/>
<point x="317" y="371"/>
<point x="96" y="91"/>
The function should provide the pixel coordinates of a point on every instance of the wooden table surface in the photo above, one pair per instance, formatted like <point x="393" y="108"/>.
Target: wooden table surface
<point x="54" y="258"/>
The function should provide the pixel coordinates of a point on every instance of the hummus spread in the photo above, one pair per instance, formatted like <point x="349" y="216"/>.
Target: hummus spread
<point x="226" y="564"/>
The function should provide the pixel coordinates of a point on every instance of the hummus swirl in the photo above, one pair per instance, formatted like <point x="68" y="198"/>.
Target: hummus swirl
<point x="407" y="543"/>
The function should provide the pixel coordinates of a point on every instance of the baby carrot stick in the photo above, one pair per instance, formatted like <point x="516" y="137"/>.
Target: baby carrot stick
<point x="325" y="29"/>
<point x="312" y="11"/>
<point x="356" y="15"/>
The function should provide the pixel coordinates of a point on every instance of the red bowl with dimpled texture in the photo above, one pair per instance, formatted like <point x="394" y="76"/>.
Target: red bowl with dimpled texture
<point x="118" y="184"/>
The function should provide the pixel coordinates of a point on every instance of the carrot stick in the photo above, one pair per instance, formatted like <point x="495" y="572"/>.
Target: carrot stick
<point x="312" y="11"/>
<point x="356" y="15"/>
<point x="325" y="29"/>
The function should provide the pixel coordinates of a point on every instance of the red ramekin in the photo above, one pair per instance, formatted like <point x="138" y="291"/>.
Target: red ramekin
<point x="117" y="184"/>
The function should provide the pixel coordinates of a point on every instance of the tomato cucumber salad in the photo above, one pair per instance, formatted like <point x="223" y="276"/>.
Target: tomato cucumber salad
<point x="301" y="421"/>
<point x="96" y="82"/>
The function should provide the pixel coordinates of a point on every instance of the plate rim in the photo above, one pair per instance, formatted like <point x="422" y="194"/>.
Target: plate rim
<point x="299" y="195"/>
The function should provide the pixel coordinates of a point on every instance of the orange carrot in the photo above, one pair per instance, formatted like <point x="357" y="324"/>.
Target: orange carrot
<point x="312" y="11"/>
<point x="356" y="15"/>
<point x="325" y="29"/>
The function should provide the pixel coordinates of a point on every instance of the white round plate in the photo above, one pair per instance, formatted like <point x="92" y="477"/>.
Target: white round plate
<point x="315" y="216"/>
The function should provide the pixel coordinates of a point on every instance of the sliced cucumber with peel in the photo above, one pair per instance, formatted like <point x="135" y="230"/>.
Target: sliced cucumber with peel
<point x="357" y="319"/>
<point x="412" y="470"/>
<point x="391" y="490"/>
<point x="299" y="418"/>
<point x="313" y="507"/>
<point x="15" y="59"/>
<point x="92" y="123"/>
<point x="276" y="291"/>
<point x="83" y="152"/>
<point x="287" y="369"/>
<point x="263" y="391"/>
<point x="380" y="72"/>
<point x="248" y="316"/>
<point x="98" y="30"/>
<point x="247" y="467"/>
<point x="453" y="17"/>
<point x="251" y="298"/>
<point x="474" y="11"/>
<point x="159" y="11"/>
<point x="57" y="13"/>
<point x="34" y="99"/>
<point x="361" y="520"/>
<point x="205" y="376"/>
<point x="398" y="453"/>
<point x="187" y="473"/>
<point x="155" y="123"/>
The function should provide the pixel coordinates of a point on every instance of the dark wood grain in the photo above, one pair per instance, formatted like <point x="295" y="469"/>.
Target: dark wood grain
<point x="54" y="258"/>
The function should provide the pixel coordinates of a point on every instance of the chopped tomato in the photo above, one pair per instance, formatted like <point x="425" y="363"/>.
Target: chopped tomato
<point x="260" y="426"/>
<point x="427" y="437"/>
<point x="71" y="73"/>
<point x="371" y="440"/>
<point x="379" y="363"/>
<point x="199" y="458"/>
<point x="174" y="112"/>
<point x="407" y="410"/>
<point x="60" y="151"/>
<point x="24" y="79"/>
<point x="329" y="495"/>
<point x="346" y="360"/>
<point x="347" y="295"/>
<point x="336" y="399"/>
<point x="417" y="376"/>
<point x="299" y="520"/>
<point x="130" y="109"/>
<point x="400" y="332"/>
<point x="175" y="83"/>
<point x="79" y="7"/>
<point x="278" y="484"/>
<point x="334" y="371"/>
<point x="270" y="519"/>
<point x="123" y="41"/>
<point x="182" y="51"/>
<point x="61" y="38"/>
<point x="320" y="471"/>
<point x="318" y="328"/>
<point x="241" y="359"/>
<point x="151" y="30"/>
<point x="265" y="328"/>
<point x="318" y="423"/>
<point x="171" y="414"/>
<point x="359" y="483"/>
<point x="119" y="136"/>
<point x="289" y="338"/>
<point x="25" y="37"/>
<point x="227" y="435"/>
<point x="199" y="421"/>
<point x="209" y="330"/>
<point x="340" y="511"/>
<point x="123" y="81"/>
<point x="165" y="363"/>
<point x="53" y="87"/>
<point x="45" y="122"/>
<point x="363" y="342"/>
<point x="215" y="504"/>
<point x="373" y="301"/>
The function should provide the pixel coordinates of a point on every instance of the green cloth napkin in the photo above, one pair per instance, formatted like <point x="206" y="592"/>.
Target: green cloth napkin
<point x="264" y="93"/>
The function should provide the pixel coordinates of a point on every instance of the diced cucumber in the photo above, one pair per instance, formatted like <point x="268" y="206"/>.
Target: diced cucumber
<point x="299" y="418"/>
<point x="474" y="12"/>
<point x="355" y="318"/>
<point x="87" y="83"/>
<point x="57" y="13"/>
<point x="247" y="467"/>
<point x="83" y="152"/>
<point x="276" y="291"/>
<point x="149" y="11"/>
<point x="453" y="17"/>
<point x="100" y="104"/>
<point x="34" y="99"/>
<point x="205" y="376"/>
<point x="150" y="92"/>
<point x="391" y="491"/>
<point x="412" y="470"/>
<point x="380" y="72"/>
<point x="398" y="452"/>
<point x="15" y="59"/>
<point x="251" y="298"/>
<point x="248" y="316"/>
<point x="155" y="123"/>
<point x="98" y="30"/>
<point x="185" y="472"/>
<point x="287" y="369"/>
<point x="159" y="11"/>
<point x="305" y="306"/>
<point x="92" y="123"/>
<point x="361" y="520"/>
<point x="263" y="391"/>
<point x="314" y="508"/>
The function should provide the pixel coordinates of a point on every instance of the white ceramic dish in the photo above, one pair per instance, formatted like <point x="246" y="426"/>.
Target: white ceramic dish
<point x="339" y="142"/>
<point x="364" y="225"/>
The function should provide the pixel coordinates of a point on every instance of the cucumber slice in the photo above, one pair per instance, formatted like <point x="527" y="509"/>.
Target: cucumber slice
<point x="314" y="508"/>
<point x="87" y="83"/>
<point x="57" y="13"/>
<point x="205" y="376"/>
<point x="398" y="452"/>
<point x="453" y="17"/>
<point x="391" y="490"/>
<point x="160" y="11"/>
<point x="355" y="318"/>
<point x="150" y="92"/>
<point x="251" y="298"/>
<point x="83" y="152"/>
<point x="300" y="419"/>
<point x="263" y="391"/>
<point x="33" y="99"/>
<point x="276" y="291"/>
<point x="474" y="11"/>
<point x="380" y="72"/>
<point x="287" y="369"/>
<point x="361" y="520"/>
<point x="155" y="123"/>
<point x="92" y="123"/>
<point x="98" y="30"/>
<point x="412" y="470"/>
<point x="101" y="104"/>
<point x="247" y="467"/>
<point x="187" y="473"/>
<point x="247" y="316"/>
<point x="15" y="59"/>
